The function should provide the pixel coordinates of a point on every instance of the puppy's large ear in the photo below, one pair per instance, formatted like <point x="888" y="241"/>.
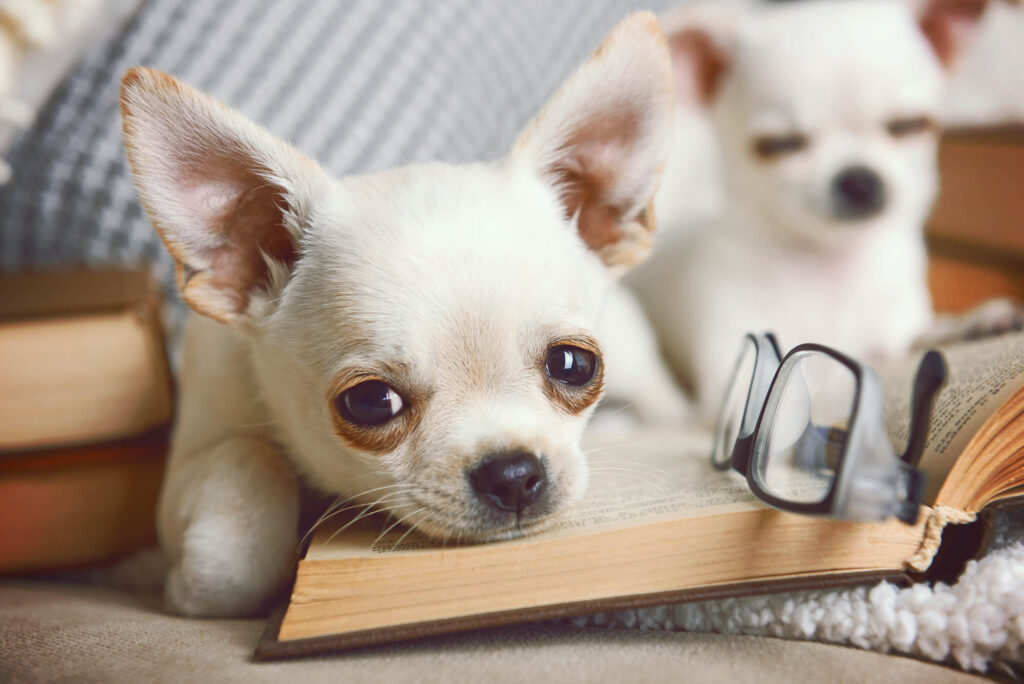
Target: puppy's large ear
<point x="602" y="140"/>
<point x="228" y="199"/>
<point x="700" y="39"/>
<point x="948" y="25"/>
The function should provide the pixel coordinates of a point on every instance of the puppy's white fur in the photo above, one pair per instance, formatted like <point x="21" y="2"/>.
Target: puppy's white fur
<point x="838" y="74"/>
<point x="450" y="283"/>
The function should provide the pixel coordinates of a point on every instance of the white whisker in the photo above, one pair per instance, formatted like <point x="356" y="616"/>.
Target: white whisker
<point x="638" y="464"/>
<point x="622" y="472"/>
<point x="393" y="526"/>
<point x="379" y="500"/>
<point x="619" y="409"/>
<point x="621" y="445"/>
<point x="402" y="538"/>
<point x="366" y="512"/>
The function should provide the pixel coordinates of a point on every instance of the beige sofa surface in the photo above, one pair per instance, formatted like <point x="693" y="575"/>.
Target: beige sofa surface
<point x="59" y="632"/>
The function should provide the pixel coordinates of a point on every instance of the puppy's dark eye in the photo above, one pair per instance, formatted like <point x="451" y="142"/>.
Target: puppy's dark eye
<point x="571" y="365"/>
<point x="899" y="128"/>
<point x="369" y="403"/>
<point x="774" y="146"/>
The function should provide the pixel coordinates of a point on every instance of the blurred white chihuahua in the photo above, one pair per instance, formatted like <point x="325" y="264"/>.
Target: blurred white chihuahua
<point x="825" y="114"/>
<point x="421" y="339"/>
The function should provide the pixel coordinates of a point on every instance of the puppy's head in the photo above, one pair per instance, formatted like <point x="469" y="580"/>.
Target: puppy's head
<point x="424" y="338"/>
<point x="826" y="110"/>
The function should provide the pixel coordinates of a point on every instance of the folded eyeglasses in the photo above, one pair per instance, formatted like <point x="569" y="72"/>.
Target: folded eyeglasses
<point x="808" y="433"/>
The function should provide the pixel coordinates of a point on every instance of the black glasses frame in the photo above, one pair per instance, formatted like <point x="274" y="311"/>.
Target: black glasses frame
<point x="930" y="377"/>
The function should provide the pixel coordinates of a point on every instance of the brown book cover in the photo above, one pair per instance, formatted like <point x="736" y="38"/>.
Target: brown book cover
<point x="82" y="359"/>
<point x="75" y="506"/>
<point x="48" y="294"/>
<point x="85" y="405"/>
<point x="975" y="231"/>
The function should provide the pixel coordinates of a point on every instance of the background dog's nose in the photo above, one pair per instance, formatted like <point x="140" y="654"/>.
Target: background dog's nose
<point x="857" y="192"/>
<point x="509" y="481"/>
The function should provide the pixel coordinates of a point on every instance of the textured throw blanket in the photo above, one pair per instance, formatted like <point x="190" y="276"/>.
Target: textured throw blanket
<point x="977" y="623"/>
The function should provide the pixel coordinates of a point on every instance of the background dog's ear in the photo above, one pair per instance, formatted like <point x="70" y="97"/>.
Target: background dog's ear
<point x="948" y="25"/>
<point x="602" y="140"/>
<point x="700" y="39"/>
<point x="227" y="198"/>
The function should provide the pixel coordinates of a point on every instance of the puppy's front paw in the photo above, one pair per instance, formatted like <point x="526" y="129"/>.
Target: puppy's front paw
<point x="192" y="593"/>
<point x="221" y="575"/>
<point x="230" y="530"/>
<point x="993" y="317"/>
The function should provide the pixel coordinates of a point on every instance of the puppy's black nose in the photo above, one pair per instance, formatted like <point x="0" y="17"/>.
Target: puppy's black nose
<point x="857" y="192"/>
<point x="508" y="481"/>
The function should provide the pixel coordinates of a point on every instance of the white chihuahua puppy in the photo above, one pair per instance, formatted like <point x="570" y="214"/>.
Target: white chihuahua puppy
<point x="825" y="115"/>
<point x="422" y="338"/>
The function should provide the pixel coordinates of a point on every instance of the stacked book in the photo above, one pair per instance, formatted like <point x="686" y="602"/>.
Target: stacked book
<point x="974" y="234"/>
<point x="85" y="406"/>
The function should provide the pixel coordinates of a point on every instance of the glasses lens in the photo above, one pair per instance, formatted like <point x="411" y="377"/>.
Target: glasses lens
<point x="730" y="418"/>
<point x="808" y="415"/>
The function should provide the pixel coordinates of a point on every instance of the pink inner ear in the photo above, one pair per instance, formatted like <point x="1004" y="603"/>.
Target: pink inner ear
<point x="947" y="23"/>
<point x="598" y="151"/>
<point x="242" y="219"/>
<point x="697" y="65"/>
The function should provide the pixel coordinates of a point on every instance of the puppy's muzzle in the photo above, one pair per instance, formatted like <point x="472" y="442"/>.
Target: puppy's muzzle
<point x="857" y="193"/>
<point x="509" y="481"/>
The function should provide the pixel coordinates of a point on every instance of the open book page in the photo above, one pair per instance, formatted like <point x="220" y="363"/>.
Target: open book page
<point x="634" y="479"/>
<point x="982" y="376"/>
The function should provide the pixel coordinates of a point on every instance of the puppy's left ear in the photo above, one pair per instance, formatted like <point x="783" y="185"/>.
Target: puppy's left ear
<point x="602" y="140"/>
<point x="229" y="200"/>
<point x="948" y="25"/>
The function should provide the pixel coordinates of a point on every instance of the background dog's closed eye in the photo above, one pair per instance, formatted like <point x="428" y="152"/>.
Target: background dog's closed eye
<point x="908" y="126"/>
<point x="770" y="147"/>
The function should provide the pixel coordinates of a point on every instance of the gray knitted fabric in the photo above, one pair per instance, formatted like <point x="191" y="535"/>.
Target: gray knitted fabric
<point x="358" y="84"/>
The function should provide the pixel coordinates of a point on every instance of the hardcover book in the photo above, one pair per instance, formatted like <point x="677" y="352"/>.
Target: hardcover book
<point x="974" y="236"/>
<point x="82" y="358"/>
<point x="85" y="405"/>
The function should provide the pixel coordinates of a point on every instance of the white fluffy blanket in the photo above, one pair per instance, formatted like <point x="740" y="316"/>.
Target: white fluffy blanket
<point x="977" y="623"/>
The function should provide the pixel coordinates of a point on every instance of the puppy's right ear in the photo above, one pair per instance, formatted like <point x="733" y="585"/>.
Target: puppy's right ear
<point x="602" y="139"/>
<point x="700" y="40"/>
<point x="229" y="200"/>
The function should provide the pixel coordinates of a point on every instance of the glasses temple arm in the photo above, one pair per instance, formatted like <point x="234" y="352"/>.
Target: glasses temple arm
<point x="931" y="375"/>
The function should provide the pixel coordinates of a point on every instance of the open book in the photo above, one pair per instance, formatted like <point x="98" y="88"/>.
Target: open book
<point x="659" y="525"/>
